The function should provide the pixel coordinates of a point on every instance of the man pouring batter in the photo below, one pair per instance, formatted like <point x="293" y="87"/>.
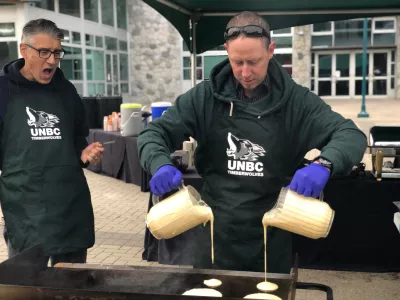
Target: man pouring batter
<point x="253" y="125"/>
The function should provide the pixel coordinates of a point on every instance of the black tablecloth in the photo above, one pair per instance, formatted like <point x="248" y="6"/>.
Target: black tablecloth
<point x="98" y="107"/>
<point x="363" y="236"/>
<point x="120" y="160"/>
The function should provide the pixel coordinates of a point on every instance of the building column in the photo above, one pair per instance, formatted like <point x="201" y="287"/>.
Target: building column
<point x="156" y="57"/>
<point x="301" y="56"/>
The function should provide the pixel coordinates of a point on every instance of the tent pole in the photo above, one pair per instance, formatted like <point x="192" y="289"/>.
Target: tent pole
<point x="386" y="11"/>
<point x="193" y="48"/>
<point x="363" y="113"/>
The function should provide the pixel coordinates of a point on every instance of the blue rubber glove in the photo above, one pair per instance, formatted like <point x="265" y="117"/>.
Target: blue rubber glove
<point x="310" y="180"/>
<point x="165" y="179"/>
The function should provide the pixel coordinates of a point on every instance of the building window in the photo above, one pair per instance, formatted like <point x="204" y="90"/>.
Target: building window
<point x="70" y="7"/>
<point x="91" y="10"/>
<point x="44" y="4"/>
<point x="282" y="37"/>
<point x="381" y="32"/>
<point x="121" y="14"/>
<point x="323" y="28"/>
<point x="67" y="37"/>
<point x="107" y="12"/>
<point x="350" y="32"/>
<point x="95" y="72"/>
<point x="89" y="40"/>
<point x="95" y="65"/>
<point x="285" y="59"/>
<point x="384" y="31"/>
<point x="99" y="42"/>
<point x="94" y="41"/>
<point x="123" y="46"/>
<point x="124" y="72"/>
<point x="7" y="30"/>
<point x="76" y="38"/>
<point x="123" y="66"/>
<point x="187" y="68"/>
<point x="111" y="43"/>
<point x="392" y="69"/>
<point x="312" y="87"/>
<point x="210" y="61"/>
<point x="71" y="64"/>
<point x="8" y="52"/>
<point x="322" y="35"/>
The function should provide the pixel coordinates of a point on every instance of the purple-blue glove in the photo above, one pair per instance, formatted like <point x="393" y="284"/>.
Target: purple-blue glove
<point x="310" y="180"/>
<point x="165" y="179"/>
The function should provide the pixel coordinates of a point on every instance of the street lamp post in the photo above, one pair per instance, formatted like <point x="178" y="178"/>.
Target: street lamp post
<point x="363" y="113"/>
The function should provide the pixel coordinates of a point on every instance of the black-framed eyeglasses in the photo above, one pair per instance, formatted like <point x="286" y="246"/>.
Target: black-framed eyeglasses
<point x="58" y="54"/>
<point x="249" y="31"/>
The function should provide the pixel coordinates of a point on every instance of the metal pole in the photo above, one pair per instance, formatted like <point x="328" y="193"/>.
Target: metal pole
<point x="306" y="12"/>
<point x="363" y="113"/>
<point x="193" y="48"/>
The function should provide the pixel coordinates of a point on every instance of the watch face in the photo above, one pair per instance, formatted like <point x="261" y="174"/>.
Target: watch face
<point x="325" y="162"/>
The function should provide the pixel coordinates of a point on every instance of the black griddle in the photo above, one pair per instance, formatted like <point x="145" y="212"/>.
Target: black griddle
<point x="22" y="279"/>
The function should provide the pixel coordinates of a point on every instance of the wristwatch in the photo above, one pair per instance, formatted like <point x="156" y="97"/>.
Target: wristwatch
<point x="324" y="162"/>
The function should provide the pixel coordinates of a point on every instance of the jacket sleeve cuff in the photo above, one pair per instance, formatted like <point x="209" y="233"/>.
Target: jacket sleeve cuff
<point x="158" y="162"/>
<point x="338" y="160"/>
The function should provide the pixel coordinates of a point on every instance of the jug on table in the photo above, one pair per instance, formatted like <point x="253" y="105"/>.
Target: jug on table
<point x="178" y="213"/>
<point x="299" y="214"/>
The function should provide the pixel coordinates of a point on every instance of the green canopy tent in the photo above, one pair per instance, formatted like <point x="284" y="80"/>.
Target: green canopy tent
<point x="201" y="23"/>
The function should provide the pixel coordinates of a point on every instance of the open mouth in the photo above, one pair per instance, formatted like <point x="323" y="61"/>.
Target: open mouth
<point x="48" y="72"/>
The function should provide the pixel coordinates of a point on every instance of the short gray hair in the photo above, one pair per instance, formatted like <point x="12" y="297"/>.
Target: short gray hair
<point x="249" y="18"/>
<point x="41" y="26"/>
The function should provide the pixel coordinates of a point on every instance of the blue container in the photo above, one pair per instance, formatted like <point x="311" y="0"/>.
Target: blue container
<point x="159" y="108"/>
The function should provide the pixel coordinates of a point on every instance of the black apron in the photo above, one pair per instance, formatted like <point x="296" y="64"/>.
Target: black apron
<point x="243" y="163"/>
<point x="44" y="194"/>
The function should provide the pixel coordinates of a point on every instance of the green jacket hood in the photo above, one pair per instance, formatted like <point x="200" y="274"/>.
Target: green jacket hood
<point x="223" y="87"/>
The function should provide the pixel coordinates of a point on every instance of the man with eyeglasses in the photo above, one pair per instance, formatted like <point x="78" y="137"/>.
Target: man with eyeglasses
<point x="253" y="125"/>
<point x="44" y="196"/>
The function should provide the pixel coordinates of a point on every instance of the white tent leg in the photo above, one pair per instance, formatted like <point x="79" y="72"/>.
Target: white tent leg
<point x="193" y="55"/>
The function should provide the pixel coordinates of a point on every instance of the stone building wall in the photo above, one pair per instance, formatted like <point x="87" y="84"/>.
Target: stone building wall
<point x="301" y="57"/>
<point x="156" y="60"/>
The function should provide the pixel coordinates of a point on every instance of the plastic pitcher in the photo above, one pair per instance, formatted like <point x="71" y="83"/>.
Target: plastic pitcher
<point x="131" y="119"/>
<point x="178" y="213"/>
<point x="302" y="215"/>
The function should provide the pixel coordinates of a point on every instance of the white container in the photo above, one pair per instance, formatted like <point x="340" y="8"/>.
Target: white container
<point x="131" y="119"/>
<point x="105" y="123"/>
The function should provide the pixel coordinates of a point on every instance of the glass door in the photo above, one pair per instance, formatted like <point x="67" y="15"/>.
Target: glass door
<point x="341" y="76"/>
<point x="324" y="74"/>
<point x="379" y="73"/>
<point x="332" y="73"/>
<point x="112" y="74"/>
